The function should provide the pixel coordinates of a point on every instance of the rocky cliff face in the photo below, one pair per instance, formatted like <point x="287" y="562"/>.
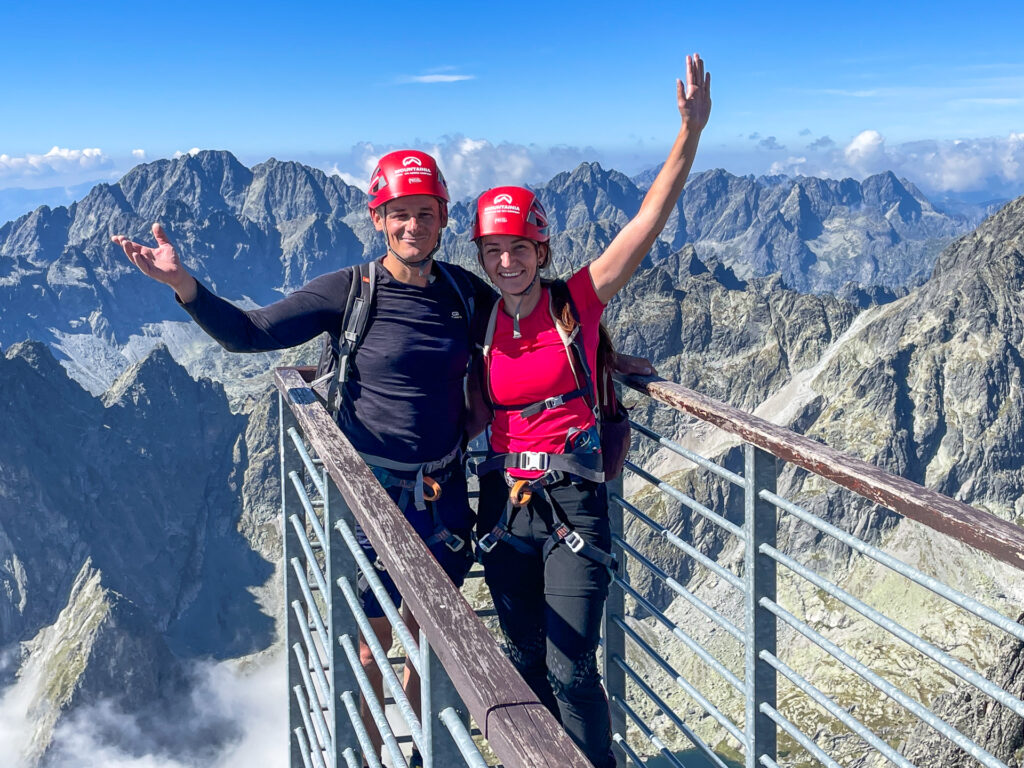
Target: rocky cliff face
<point x="928" y="387"/>
<point x="121" y="556"/>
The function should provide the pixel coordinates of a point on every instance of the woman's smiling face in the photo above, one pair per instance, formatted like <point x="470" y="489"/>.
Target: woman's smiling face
<point x="510" y="262"/>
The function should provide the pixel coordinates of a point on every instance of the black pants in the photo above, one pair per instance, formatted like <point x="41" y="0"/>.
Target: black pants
<point x="550" y="610"/>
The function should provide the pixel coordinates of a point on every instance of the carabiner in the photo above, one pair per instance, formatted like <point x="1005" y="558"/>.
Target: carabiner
<point x="520" y="493"/>
<point x="434" y="488"/>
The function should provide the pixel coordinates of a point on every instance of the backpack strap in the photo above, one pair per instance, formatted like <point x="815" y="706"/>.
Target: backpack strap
<point x="352" y="329"/>
<point x="492" y="321"/>
<point x="559" y="296"/>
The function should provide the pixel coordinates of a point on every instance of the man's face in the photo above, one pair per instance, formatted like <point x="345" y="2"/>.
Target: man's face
<point x="411" y="224"/>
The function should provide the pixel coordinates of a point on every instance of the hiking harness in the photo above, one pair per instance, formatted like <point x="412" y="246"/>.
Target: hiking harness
<point x="588" y="465"/>
<point x="429" y="476"/>
<point x="520" y="494"/>
<point x="333" y="372"/>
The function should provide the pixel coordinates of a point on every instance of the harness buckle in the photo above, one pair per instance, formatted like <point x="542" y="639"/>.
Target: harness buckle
<point x="575" y="541"/>
<point x="487" y="542"/>
<point x="554" y="402"/>
<point x="531" y="460"/>
<point x="454" y="542"/>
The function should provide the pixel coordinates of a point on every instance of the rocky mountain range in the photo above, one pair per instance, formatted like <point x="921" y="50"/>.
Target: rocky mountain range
<point x="254" y="234"/>
<point x="138" y="504"/>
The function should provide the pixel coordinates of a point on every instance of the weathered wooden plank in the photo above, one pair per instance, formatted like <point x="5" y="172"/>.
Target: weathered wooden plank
<point x="982" y="530"/>
<point x="521" y="731"/>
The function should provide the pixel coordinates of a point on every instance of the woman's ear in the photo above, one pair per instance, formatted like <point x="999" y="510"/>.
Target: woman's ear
<point x="543" y="255"/>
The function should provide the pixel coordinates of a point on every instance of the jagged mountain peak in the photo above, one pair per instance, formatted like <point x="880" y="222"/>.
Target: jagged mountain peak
<point x="34" y="356"/>
<point x="157" y="381"/>
<point x="205" y="181"/>
<point x="997" y="241"/>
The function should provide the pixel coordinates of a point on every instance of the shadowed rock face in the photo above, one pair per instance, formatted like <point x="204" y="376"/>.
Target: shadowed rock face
<point x="993" y="728"/>
<point x="144" y="484"/>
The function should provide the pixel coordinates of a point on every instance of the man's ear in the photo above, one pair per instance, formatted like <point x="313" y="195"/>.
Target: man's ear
<point x="377" y="219"/>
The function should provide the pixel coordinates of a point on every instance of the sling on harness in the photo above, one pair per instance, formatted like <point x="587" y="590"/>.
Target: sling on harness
<point x="431" y="475"/>
<point x="520" y="495"/>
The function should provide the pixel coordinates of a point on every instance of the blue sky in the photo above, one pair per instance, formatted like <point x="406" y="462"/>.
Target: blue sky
<point x="515" y="91"/>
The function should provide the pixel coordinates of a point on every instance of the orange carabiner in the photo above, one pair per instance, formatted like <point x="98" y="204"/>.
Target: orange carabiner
<point x="434" y="488"/>
<point x="520" y="493"/>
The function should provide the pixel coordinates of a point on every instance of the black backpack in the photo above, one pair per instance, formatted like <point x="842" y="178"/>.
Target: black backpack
<point x="336" y="354"/>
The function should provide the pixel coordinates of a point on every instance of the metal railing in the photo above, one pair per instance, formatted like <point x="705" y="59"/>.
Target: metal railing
<point x="756" y="620"/>
<point x="326" y="489"/>
<point x="671" y="682"/>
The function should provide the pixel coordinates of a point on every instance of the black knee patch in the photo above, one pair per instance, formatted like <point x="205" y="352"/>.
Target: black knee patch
<point x="567" y="676"/>
<point x="526" y="650"/>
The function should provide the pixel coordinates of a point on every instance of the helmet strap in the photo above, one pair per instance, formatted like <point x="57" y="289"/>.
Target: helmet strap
<point x="419" y="264"/>
<point x="516" y="333"/>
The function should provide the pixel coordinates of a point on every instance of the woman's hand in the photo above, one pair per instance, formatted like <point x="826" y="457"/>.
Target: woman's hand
<point x="160" y="263"/>
<point x="695" y="100"/>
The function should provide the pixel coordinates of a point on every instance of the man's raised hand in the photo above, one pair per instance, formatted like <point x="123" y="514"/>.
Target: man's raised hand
<point x="160" y="263"/>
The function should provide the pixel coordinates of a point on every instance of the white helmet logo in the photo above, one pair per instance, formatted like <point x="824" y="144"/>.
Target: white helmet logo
<point x="503" y="198"/>
<point x="406" y="162"/>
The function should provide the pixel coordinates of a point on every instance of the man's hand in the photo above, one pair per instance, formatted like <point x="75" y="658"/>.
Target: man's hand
<point x="160" y="263"/>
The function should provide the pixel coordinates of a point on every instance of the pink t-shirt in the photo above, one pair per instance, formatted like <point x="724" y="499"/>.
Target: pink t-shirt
<point x="535" y="367"/>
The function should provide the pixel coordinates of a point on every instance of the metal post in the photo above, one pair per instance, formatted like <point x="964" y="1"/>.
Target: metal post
<point x="760" y="526"/>
<point x="340" y="620"/>
<point x="437" y="693"/>
<point x="614" y="637"/>
<point x="290" y="461"/>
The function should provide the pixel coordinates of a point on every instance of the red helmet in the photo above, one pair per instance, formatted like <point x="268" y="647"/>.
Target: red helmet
<point x="510" y="211"/>
<point x="408" y="172"/>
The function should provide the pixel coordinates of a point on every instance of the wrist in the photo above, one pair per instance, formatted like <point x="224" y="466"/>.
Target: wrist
<point x="186" y="288"/>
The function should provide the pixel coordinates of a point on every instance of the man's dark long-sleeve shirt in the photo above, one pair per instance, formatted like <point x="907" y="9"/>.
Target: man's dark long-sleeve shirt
<point x="403" y="399"/>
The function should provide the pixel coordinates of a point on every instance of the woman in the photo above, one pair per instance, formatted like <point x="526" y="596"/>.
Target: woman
<point x="543" y="515"/>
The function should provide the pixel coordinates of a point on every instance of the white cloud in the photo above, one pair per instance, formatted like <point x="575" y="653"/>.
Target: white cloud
<point x="59" y="161"/>
<point x="251" y="705"/>
<point x="192" y="153"/>
<point x="993" y="164"/>
<point x="470" y="165"/>
<point x="139" y="154"/>
<point x="438" y="78"/>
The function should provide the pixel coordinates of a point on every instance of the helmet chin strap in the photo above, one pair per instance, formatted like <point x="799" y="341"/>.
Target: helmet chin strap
<point x="522" y="297"/>
<point x="419" y="264"/>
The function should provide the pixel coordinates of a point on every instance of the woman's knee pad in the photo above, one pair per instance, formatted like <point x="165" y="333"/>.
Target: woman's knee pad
<point x="571" y="675"/>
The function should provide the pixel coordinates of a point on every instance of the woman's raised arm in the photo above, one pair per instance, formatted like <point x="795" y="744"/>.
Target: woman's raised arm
<point x="613" y="268"/>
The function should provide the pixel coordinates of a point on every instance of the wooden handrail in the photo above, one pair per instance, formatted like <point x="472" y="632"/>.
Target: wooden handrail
<point x="519" y="728"/>
<point x="981" y="530"/>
